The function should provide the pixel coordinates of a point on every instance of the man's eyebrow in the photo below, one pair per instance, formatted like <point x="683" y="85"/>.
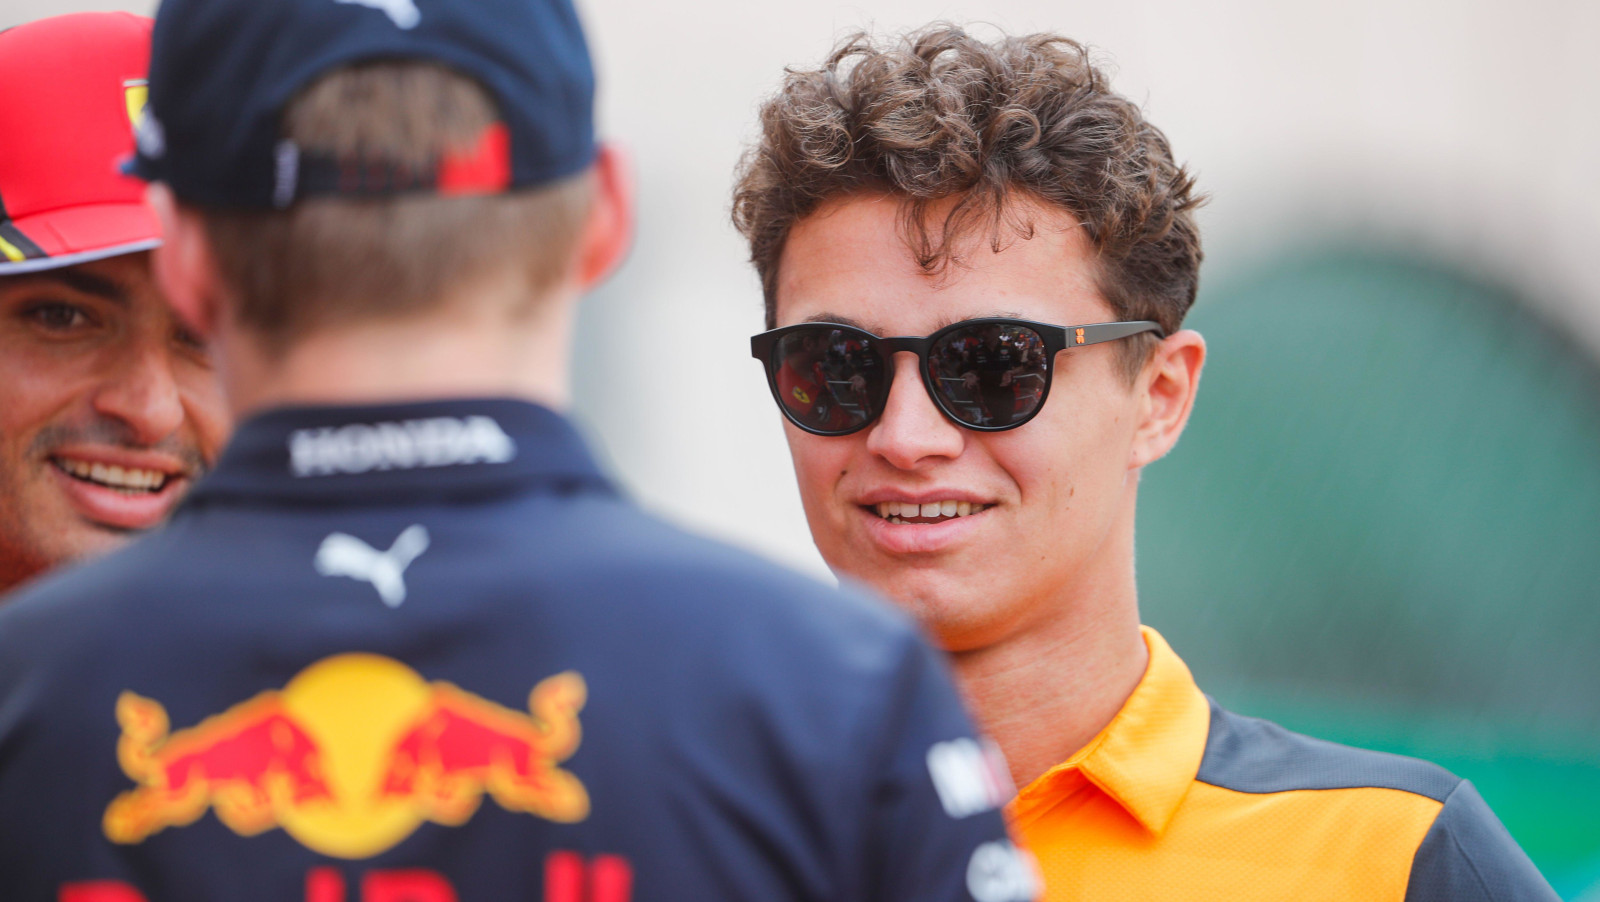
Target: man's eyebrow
<point x="998" y="314"/>
<point x="826" y="317"/>
<point x="87" y="283"/>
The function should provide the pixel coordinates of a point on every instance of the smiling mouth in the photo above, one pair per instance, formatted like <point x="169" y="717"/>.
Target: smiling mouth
<point x="123" y="480"/>
<point x="906" y="513"/>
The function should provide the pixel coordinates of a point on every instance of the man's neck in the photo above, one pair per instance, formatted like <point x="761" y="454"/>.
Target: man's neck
<point x="1046" y="691"/>
<point x="446" y="353"/>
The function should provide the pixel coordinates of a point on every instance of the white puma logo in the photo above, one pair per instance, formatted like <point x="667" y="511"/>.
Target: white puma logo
<point x="404" y="13"/>
<point x="345" y="555"/>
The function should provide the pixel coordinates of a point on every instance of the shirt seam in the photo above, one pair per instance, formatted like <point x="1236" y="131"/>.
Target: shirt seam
<point x="1269" y="792"/>
<point x="1455" y="842"/>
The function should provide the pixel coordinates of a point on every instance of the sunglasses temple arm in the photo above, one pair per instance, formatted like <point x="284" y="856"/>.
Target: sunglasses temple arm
<point x="1109" y="332"/>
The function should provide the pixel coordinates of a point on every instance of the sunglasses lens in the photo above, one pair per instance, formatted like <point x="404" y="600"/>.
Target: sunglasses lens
<point x="990" y="375"/>
<point x="829" y="380"/>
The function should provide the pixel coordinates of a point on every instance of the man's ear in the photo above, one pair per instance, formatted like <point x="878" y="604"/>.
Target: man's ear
<point x="608" y="230"/>
<point x="1167" y="387"/>
<point x="184" y="267"/>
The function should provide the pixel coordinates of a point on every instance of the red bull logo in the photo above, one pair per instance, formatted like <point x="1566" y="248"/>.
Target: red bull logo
<point x="350" y="758"/>
<point x="242" y="762"/>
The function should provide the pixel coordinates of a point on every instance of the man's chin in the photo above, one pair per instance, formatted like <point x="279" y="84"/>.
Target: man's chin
<point x="65" y="538"/>
<point x="91" y="540"/>
<point x="27" y="558"/>
<point x="957" y="613"/>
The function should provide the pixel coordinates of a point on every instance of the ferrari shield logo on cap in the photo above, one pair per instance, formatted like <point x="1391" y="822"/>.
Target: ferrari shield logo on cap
<point x="136" y="94"/>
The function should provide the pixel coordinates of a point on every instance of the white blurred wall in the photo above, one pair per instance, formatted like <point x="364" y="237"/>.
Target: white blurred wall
<point x="1470" y="129"/>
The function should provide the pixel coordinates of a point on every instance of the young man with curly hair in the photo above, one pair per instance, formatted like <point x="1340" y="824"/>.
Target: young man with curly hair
<point x="1030" y="239"/>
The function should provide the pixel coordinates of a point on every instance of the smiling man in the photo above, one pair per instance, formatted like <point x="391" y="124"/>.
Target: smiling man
<point x="109" y="408"/>
<point x="984" y="257"/>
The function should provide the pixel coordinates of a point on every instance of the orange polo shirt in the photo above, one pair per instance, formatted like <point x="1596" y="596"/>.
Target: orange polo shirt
<point x="1178" y="799"/>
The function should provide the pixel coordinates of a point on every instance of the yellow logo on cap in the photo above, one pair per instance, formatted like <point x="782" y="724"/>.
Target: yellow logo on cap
<point x="136" y="93"/>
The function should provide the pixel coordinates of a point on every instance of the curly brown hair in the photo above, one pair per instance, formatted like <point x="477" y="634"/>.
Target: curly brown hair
<point x="939" y="115"/>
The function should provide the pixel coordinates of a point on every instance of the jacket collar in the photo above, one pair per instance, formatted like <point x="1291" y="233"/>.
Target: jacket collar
<point x="401" y="453"/>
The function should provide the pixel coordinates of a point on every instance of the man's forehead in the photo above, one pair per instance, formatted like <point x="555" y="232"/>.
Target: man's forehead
<point x="849" y="262"/>
<point x="115" y="279"/>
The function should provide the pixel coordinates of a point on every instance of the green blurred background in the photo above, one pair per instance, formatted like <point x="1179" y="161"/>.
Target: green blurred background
<point x="1383" y="528"/>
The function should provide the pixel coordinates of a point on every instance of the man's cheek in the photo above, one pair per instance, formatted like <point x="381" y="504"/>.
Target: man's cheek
<point x="205" y="408"/>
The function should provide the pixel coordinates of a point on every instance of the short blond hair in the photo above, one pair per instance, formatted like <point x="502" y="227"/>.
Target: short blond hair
<point x="331" y="260"/>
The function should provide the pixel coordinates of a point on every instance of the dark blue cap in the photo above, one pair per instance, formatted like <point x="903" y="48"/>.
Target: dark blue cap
<point x="221" y="72"/>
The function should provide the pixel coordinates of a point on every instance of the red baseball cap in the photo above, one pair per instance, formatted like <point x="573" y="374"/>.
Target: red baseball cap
<point x="75" y="92"/>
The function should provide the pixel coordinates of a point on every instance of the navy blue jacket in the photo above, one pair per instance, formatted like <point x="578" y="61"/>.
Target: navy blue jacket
<point x="426" y="653"/>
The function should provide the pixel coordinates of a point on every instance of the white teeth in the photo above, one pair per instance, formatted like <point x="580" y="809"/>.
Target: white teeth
<point x="128" y="479"/>
<point x="893" y="511"/>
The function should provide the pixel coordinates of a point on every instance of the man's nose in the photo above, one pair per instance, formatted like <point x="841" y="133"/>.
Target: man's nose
<point x="912" y="432"/>
<point x="143" y="394"/>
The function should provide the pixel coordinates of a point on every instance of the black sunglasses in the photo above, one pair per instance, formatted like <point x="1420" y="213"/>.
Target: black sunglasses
<point x="985" y="374"/>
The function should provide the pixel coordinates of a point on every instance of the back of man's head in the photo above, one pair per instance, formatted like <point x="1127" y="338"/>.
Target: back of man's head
<point x="327" y="261"/>
<point x="354" y="162"/>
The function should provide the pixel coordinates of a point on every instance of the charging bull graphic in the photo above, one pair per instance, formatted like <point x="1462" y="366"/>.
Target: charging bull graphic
<point x="350" y="758"/>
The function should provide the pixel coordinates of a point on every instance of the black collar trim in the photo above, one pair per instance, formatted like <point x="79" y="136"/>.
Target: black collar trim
<point x="401" y="453"/>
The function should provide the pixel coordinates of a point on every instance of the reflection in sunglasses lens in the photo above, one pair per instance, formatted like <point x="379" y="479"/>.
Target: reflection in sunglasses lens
<point x="829" y="380"/>
<point x="989" y="375"/>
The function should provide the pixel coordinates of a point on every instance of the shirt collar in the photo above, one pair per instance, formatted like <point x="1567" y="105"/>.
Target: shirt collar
<point x="401" y="452"/>
<point x="1149" y="754"/>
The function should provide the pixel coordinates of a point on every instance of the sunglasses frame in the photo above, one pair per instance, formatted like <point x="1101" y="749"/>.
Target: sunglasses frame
<point x="1056" y="339"/>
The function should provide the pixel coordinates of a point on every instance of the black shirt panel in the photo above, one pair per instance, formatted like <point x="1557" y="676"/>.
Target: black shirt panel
<point x="1467" y="856"/>
<point x="1247" y="754"/>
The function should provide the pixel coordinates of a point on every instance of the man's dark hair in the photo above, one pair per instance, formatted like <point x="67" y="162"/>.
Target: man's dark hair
<point x="939" y="115"/>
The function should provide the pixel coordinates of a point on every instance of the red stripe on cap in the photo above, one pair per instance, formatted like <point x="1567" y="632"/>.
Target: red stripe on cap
<point x="483" y="168"/>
